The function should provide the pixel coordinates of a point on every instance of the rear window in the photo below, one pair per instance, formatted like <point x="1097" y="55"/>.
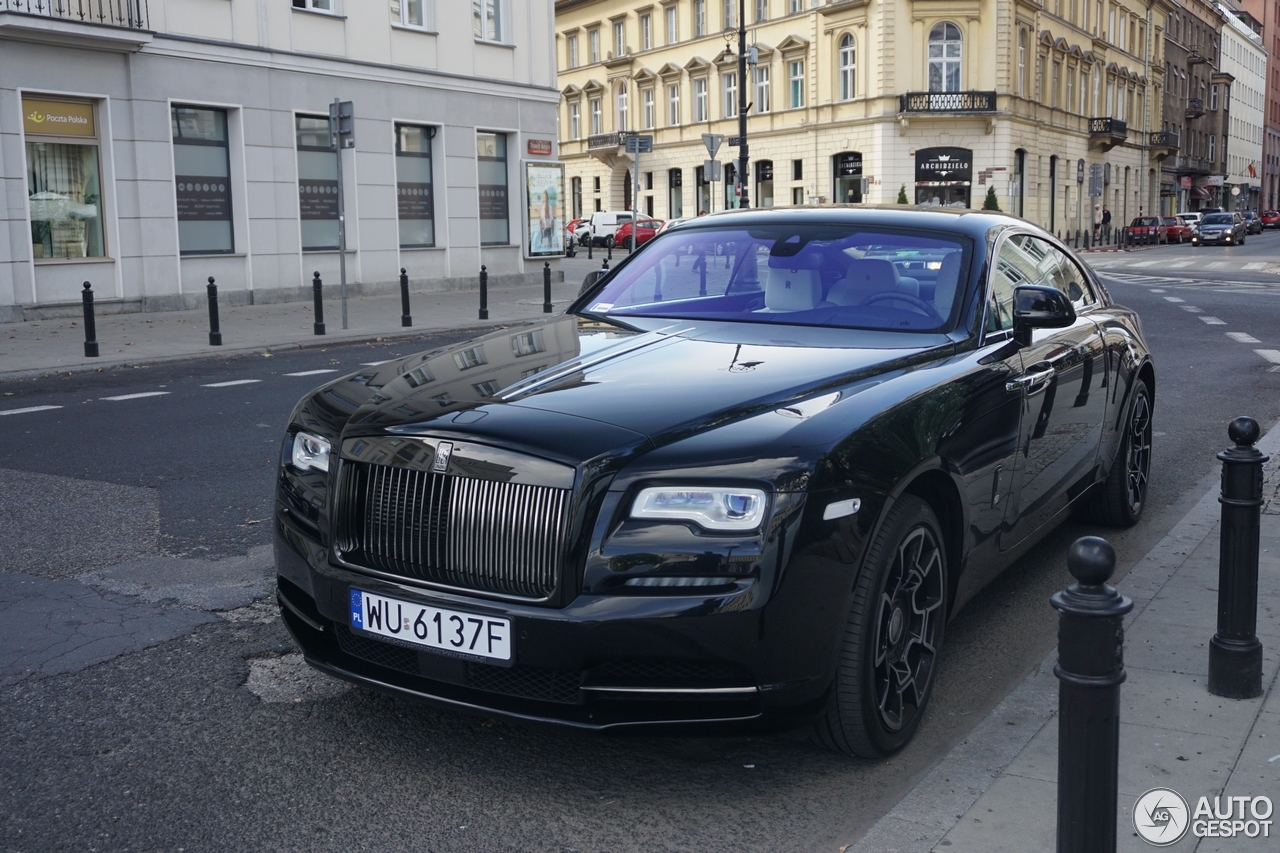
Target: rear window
<point x="1217" y="219"/>
<point x="1169" y="220"/>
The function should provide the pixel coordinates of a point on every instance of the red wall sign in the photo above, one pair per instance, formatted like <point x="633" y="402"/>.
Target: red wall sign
<point x="540" y="147"/>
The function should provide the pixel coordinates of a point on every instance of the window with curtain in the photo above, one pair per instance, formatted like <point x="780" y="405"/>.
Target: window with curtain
<point x="730" y="82"/>
<point x="700" y="112"/>
<point x="491" y="154"/>
<point x="571" y="47"/>
<point x="575" y="120"/>
<point x="64" y="186"/>
<point x="622" y="108"/>
<point x="597" y="118"/>
<point x="944" y="58"/>
<point x="673" y="104"/>
<point x="673" y="31"/>
<point x="317" y="184"/>
<point x="646" y="31"/>
<point x="415" y="196"/>
<point x="699" y="18"/>
<point x="619" y="38"/>
<point x="202" y="180"/>
<point x="795" y="81"/>
<point x="646" y="100"/>
<point x="848" y="68"/>
<point x="762" y="88"/>
<point x="593" y="45"/>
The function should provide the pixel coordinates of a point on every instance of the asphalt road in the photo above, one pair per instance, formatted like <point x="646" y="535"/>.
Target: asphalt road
<point x="151" y="699"/>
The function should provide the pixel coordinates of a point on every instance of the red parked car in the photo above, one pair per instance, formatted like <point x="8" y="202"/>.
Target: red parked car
<point x="646" y="230"/>
<point x="1176" y="230"/>
<point x="1148" y="229"/>
<point x="1271" y="219"/>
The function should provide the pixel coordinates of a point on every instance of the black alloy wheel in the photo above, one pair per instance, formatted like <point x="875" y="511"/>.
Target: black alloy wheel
<point x="1122" y="497"/>
<point x="892" y="639"/>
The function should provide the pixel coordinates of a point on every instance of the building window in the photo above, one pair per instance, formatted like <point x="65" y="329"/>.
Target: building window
<point x="673" y="104"/>
<point x="944" y="58"/>
<point x="597" y="117"/>
<point x="202" y="178"/>
<point x="622" y="108"/>
<point x="575" y="120"/>
<point x="675" y="194"/>
<point x="764" y="183"/>
<point x="64" y="185"/>
<point x="415" y="196"/>
<point x="797" y="196"/>
<point x="491" y="152"/>
<point x="575" y="185"/>
<point x="413" y="13"/>
<point x="646" y="99"/>
<point x="1213" y="97"/>
<point x="730" y="79"/>
<point x="487" y="19"/>
<point x="794" y="6"/>
<point x="619" y="38"/>
<point x="595" y="184"/>
<point x="1057" y="83"/>
<point x="1084" y="86"/>
<point x="646" y="31"/>
<point x="1213" y="148"/>
<point x="700" y="99"/>
<point x="314" y="5"/>
<point x="699" y="18"/>
<point x="762" y="10"/>
<point x="762" y="88"/>
<point x="848" y="68"/>
<point x="593" y="45"/>
<point x="797" y="170"/>
<point x="673" y="32"/>
<point x="795" y="80"/>
<point x="1022" y="62"/>
<point x="730" y="14"/>
<point x="571" y="46"/>
<point x="317" y="184"/>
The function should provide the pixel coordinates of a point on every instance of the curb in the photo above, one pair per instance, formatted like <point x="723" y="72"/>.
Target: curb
<point x="927" y="812"/>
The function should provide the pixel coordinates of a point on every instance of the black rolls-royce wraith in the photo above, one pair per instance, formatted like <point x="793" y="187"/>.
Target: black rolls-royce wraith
<point x="746" y="478"/>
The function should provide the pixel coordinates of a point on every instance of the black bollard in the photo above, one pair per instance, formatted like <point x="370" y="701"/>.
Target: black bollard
<point x="317" y="290"/>
<point x="608" y="247"/>
<point x="1235" y="653"/>
<point x="604" y="266"/>
<point x="215" y="335"/>
<point x="1091" y="669"/>
<point x="546" y="287"/>
<point x="590" y="243"/>
<point x="484" y="292"/>
<point x="406" y="319"/>
<point x="90" y="327"/>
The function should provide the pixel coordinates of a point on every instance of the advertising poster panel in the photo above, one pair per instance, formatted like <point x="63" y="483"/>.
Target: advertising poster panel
<point x="544" y="209"/>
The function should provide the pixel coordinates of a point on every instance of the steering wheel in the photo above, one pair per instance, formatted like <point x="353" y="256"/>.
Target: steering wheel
<point x="914" y="301"/>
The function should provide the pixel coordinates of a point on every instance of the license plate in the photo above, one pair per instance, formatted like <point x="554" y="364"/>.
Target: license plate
<point x="450" y="631"/>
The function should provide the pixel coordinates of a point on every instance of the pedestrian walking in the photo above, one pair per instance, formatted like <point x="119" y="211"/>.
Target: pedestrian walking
<point x="1097" y="222"/>
<point x="1106" y="223"/>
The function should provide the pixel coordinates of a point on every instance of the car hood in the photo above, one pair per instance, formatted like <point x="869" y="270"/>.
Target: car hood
<point x="662" y="382"/>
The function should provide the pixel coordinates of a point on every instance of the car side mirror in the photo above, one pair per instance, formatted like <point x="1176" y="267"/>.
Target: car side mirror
<point x="1036" y="306"/>
<point x="590" y="281"/>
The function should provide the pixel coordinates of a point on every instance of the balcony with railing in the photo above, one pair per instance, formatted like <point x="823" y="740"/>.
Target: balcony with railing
<point x="947" y="102"/>
<point x="1162" y="143"/>
<point x="1195" y="107"/>
<point x="1193" y="165"/>
<point x="1107" y="133"/>
<point x="602" y="141"/>
<point x="114" y="24"/>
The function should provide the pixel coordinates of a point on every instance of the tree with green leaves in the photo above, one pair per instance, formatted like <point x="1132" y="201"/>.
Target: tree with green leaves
<point x="902" y="194"/>
<point x="991" y="202"/>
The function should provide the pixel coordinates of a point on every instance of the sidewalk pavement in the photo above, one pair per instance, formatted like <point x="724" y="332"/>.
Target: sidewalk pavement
<point x="996" y="792"/>
<point x="40" y="347"/>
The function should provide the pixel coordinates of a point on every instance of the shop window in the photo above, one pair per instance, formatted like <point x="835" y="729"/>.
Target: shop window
<point x="847" y="168"/>
<point x="317" y="184"/>
<point x="415" y="196"/>
<point x="64" y="185"/>
<point x="764" y="183"/>
<point x="675" y="194"/>
<point x="202" y="179"/>
<point x="491" y="151"/>
<point x="576" y="185"/>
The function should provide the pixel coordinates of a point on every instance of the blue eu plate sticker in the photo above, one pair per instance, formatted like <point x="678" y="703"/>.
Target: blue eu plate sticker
<point x="357" y="616"/>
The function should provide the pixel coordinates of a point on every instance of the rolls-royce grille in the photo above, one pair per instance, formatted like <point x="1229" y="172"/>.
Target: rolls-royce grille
<point x="485" y="535"/>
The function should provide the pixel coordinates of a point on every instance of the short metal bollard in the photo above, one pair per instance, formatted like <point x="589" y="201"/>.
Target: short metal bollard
<point x="317" y="293"/>
<point x="215" y="334"/>
<point x="604" y="266"/>
<point x="90" y="327"/>
<point x="590" y="243"/>
<point x="608" y="247"/>
<point x="1235" y="653"/>
<point x="484" y="292"/>
<point x="546" y="288"/>
<point x="406" y="319"/>
<point x="1091" y="669"/>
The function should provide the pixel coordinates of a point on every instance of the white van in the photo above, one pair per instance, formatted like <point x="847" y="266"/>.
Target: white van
<point x="604" y="224"/>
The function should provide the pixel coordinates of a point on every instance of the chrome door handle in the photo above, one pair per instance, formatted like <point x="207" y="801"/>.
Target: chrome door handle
<point x="1031" y="382"/>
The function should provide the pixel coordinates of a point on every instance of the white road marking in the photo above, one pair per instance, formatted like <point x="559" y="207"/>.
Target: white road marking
<point x="1243" y="338"/>
<point x="232" y="382"/>
<point x="1271" y="355"/>
<point x="1156" y="290"/>
<point x="372" y="363"/>
<point x="1256" y="265"/>
<point x="1217" y="265"/>
<point x="1173" y="299"/>
<point x="1193" y="309"/>
<point x="313" y="372"/>
<point x="1214" y="321"/>
<point x="28" y="409"/>
<point x="1145" y="264"/>
<point x="1179" y="265"/>
<point x="135" y="396"/>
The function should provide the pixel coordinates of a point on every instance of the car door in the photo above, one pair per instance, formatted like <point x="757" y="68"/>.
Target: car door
<point x="1060" y="385"/>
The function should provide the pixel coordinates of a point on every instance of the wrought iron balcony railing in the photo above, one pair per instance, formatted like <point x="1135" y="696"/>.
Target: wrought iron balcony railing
<point x="605" y="140"/>
<point x="1195" y="108"/>
<point x="1163" y="139"/>
<point x="1108" y="127"/>
<point x="947" y="102"/>
<point x="130" y="14"/>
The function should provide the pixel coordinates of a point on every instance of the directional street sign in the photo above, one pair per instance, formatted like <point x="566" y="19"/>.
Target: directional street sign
<point x="639" y="144"/>
<point x="712" y="141"/>
<point x="735" y="141"/>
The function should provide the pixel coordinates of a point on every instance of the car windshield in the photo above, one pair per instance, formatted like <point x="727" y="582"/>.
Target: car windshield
<point x="811" y="274"/>
<point x="1217" y="219"/>
<point x="1146" y="220"/>
<point x="1169" y="220"/>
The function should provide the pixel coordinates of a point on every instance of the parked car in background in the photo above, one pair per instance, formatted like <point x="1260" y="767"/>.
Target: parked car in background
<point x="573" y="226"/>
<point x="1252" y="222"/>
<point x="670" y="222"/>
<point x="1227" y="229"/>
<point x="1147" y="229"/>
<point x="717" y="495"/>
<point x="1176" y="230"/>
<point x="1190" y="217"/>
<point x="646" y="230"/>
<point x="604" y="224"/>
<point x="1270" y="219"/>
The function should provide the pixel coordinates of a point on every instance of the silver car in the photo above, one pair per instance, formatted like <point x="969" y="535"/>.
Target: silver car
<point x="1220" y="228"/>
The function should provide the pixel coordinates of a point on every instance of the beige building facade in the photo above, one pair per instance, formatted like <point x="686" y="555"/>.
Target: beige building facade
<point x="866" y="101"/>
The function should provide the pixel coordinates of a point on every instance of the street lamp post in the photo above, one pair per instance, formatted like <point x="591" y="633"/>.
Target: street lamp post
<point x="744" y="200"/>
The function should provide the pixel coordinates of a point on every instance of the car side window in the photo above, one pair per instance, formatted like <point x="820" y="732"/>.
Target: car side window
<point x="1072" y="281"/>
<point x="1010" y="270"/>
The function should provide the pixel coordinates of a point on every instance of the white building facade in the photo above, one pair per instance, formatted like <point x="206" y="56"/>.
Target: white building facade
<point x="1245" y="59"/>
<point x="151" y="144"/>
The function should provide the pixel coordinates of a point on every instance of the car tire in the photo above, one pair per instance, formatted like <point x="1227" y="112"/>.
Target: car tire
<point x="872" y="712"/>
<point x="608" y="242"/>
<point x="1120" y="499"/>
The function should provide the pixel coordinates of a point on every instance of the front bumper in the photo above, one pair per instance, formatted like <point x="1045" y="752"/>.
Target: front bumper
<point x="727" y="661"/>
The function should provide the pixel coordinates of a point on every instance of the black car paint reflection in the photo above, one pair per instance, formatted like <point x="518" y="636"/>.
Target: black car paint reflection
<point x="997" y="430"/>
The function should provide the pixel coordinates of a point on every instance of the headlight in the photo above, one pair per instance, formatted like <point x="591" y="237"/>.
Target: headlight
<point x="310" y="451"/>
<point x="719" y="509"/>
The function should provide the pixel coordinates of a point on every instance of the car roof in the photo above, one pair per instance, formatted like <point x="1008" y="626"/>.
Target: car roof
<point x="973" y="223"/>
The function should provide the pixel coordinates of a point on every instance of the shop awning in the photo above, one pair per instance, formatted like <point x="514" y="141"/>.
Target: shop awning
<point x="1200" y="193"/>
